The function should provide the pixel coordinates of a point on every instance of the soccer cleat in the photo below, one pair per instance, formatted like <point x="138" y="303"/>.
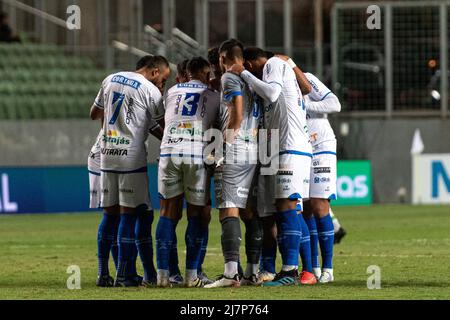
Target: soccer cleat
<point x="176" y="280"/>
<point x="253" y="280"/>
<point x="284" y="278"/>
<point x="197" y="283"/>
<point x="307" y="278"/>
<point x="224" y="281"/>
<point x="149" y="283"/>
<point x="266" y="276"/>
<point x="338" y="235"/>
<point x="326" y="277"/>
<point x="105" y="281"/>
<point x="128" y="282"/>
<point x="204" y="278"/>
<point x="138" y="278"/>
<point x="163" y="282"/>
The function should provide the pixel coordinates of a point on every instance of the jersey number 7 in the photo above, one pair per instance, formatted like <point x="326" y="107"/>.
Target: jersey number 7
<point x="117" y="101"/>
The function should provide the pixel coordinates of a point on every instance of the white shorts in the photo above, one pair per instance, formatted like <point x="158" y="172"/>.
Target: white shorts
<point x="125" y="189"/>
<point x="177" y="175"/>
<point x="323" y="176"/>
<point x="94" y="180"/>
<point x="292" y="178"/>
<point x="94" y="189"/>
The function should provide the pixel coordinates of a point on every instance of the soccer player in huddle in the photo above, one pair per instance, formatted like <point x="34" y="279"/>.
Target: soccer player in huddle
<point x="128" y="102"/>
<point x="191" y="108"/>
<point x="103" y="238"/>
<point x="275" y="82"/>
<point x="234" y="176"/>
<point x="319" y="102"/>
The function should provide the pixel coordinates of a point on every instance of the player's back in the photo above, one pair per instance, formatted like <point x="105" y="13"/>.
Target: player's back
<point x="129" y="102"/>
<point x="191" y="108"/>
<point x="233" y="85"/>
<point x="288" y="113"/>
<point x="321" y="132"/>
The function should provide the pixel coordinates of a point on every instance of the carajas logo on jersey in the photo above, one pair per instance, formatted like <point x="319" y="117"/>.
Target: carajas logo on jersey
<point x="113" y="138"/>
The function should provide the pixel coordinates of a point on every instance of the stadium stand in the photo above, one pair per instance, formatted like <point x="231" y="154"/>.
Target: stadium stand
<point x="41" y="82"/>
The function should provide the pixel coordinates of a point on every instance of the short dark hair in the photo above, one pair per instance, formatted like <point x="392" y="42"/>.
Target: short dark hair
<point x="233" y="49"/>
<point x="182" y="67"/>
<point x="253" y="53"/>
<point x="197" y="64"/>
<point x="152" y="62"/>
<point x="213" y="55"/>
<point x="269" y="54"/>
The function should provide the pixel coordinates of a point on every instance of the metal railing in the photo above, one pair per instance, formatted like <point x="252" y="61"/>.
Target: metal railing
<point x="400" y="69"/>
<point x="72" y="36"/>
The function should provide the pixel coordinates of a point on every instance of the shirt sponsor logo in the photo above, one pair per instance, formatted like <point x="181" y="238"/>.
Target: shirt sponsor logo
<point x="172" y="183"/>
<point x="114" y="152"/>
<point x="242" y="192"/>
<point x="185" y="129"/>
<point x="284" y="181"/>
<point x="126" y="82"/>
<point x="285" y="173"/>
<point x="196" y="190"/>
<point x="113" y="138"/>
<point x="321" y="180"/>
<point x="124" y="190"/>
<point x="322" y="170"/>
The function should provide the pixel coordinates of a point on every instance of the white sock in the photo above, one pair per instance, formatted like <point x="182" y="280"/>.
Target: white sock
<point x="231" y="268"/>
<point x="191" y="274"/>
<point x="251" y="270"/>
<point x="288" y="268"/>
<point x="161" y="273"/>
<point x="317" y="272"/>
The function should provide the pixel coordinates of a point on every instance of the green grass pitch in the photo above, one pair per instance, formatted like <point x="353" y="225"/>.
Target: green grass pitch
<point x="410" y="244"/>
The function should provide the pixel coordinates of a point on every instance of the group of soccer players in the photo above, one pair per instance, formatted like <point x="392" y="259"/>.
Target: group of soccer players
<point x="250" y="120"/>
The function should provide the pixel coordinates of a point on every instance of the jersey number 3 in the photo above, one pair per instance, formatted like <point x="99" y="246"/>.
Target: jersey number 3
<point x="117" y="102"/>
<point x="190" y="104"/>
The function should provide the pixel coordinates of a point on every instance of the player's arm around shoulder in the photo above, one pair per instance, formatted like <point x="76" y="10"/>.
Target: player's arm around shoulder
<point x="322" y="99"/>
<point x="97" y="108"/>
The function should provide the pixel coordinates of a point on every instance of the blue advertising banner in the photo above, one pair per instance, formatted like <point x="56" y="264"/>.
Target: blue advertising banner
<point x="66" y="189"/>
<point x="42" y="190"/>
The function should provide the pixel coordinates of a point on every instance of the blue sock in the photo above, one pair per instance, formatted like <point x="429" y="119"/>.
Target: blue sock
<point x="165" y="231"/>
<point x="193" y="243"/>
<point x="325" y="229"/>
<point x="127" y="245"/>
<point x="314" y="240"/>
<point x="174" y="268"/>
<point x="115" y="247"/>
<point x="105" y="239"/>
<point x="268" y="257"/>
<point x="204" y="234"/>
<point x="289" y="236"/>
<point x="144" y="243"/>
<point x="305" y="246"/>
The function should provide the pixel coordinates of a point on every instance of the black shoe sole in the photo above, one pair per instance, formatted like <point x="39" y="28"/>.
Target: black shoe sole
<point x="339" y="235"/>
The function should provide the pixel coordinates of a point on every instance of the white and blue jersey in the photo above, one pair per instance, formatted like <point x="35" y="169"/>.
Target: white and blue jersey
<point x="191" y="108"/>
<point x="319" y="102"/>
<point x="130" y="103"/>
